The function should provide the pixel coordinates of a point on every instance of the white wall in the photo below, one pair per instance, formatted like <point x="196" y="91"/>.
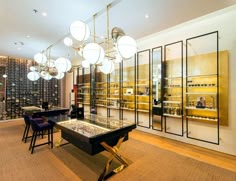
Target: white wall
<point x="224" y="22"/>
<point x="67" y="87"/>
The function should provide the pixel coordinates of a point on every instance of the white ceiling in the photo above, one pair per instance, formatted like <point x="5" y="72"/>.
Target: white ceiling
<point x="17" y="19"/>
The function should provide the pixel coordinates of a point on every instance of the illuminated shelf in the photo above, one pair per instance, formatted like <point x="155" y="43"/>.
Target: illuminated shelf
<point x="201" y="109"/>
<point x="202" y="118"/>
<point x="172" y="115"/>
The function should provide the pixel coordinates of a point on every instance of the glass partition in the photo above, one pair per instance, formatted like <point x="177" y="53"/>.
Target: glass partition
<point x="173" y="88"/>
<point x="202" y="88"/>
<point x="143" y="89"/>
<point x="157" y="88"/>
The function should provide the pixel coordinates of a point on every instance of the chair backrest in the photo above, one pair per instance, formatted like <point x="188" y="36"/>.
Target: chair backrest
<point x="34" y="125"/>
<point x="27" y="119"/>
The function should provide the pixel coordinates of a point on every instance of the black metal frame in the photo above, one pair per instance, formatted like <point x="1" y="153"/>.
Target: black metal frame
<point x="218" y="122"/>
<point x="137" y="73"/>
<point x="163" y="85"/>
<point x="159" y="47"/>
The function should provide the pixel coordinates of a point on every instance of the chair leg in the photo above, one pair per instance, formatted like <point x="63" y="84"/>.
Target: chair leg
<point x="32" y="149"/>
<point x="48" y="136"/>
<point x="52" y="138"/>
<point x="23" y="138"/>
<point x="32" y="140"/>
<point x="27" y="132"/>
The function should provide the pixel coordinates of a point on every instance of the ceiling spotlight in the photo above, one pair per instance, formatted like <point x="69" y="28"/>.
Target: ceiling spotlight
<point x="27" y="36"/>
<point x="146" y="16"/>
<point x="68" y="41"/>
<point x="44" y="14"/>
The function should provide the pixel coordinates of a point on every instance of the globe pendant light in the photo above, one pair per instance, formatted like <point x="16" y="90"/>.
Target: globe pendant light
<point x="33" y="76"/>
<point x="46" y="75"/>
<point x="107" y="66"/>
<point x="85" y="64"/>
<point x="79" y="30"/>
<point x="40" y="58"/>
<point x="60" y="75"/>
<point x="93" y="53"/>
<point x="63" y="64"/>
<point x="126" y="46"/>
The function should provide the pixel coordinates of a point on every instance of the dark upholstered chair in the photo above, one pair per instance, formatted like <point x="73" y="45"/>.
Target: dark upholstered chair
<point x="27" y="126"/>
<point x="37" y="129"/>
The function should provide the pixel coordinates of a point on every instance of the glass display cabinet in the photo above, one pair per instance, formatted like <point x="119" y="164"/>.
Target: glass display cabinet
<point x="128" y="90"/>
<point x="113" y="96"/>
<point x="202" y="88"/>
<point x="94" y="134"/>
<point x="157" y="88"/>
<point x="142" y="91"/>
<point x="101" y="92"/>
<point x="84" y="87"/>
<point x="173" y="88"/>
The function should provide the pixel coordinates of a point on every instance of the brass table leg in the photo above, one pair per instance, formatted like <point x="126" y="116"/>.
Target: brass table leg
<point x="114" y="154"/>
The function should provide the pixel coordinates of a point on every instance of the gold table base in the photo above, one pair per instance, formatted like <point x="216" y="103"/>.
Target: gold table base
<point x="114" y="154"/>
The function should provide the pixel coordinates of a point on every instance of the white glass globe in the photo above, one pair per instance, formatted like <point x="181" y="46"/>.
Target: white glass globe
<point x="93" y="53"/>
<point x="68" y="41"/>
<point x="85" y="64"/>
<point x="126" y="47"/>
<point x="4" y="75"/>
<point x="51" y="63"/>
<point x="47" y="77"/>
<point x="60" y="75"/>
<point x="40" y="58"/>
<point x="63" y="64"/>
<point x="80" y="30"/>
<point x="33" y="76"/>
<point x="33" y="68"/>
<point x="107" y="66"/>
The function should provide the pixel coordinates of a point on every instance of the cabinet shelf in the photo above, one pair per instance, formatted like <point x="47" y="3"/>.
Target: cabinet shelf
<point x="202" y="118"/>
<point x="201" y="109"/>
<point x="172" y="115"/>
<point x="172" y="102"/>
<point x="128" y="109"/>
<point x="172" y="78"/>
<point x="143" y="110"/>
<point x="205" y="75"/>
<point x="202" y="87"/>
<point x="201" y="93"/>
<point x="172" y="87"/>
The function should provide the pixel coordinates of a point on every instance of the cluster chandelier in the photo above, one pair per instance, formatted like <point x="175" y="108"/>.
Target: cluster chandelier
<point x="119" y="47"/>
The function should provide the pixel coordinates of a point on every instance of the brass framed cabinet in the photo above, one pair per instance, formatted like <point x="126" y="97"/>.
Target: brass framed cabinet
<point x="143" y="97"/>
<point x="157" y="89"/>
<point x="202" y="87"/>
<point x="173" y="88"/>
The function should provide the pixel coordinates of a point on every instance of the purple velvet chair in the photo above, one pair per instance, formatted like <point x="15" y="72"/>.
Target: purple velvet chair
<point x="27" y="126"/>
<point x="39" y="127"/>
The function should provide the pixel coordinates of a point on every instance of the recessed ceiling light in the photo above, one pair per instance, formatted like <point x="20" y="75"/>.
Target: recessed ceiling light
<point x="27" y="36"/>
<point x="44" y="14"/>
<point x="146" y="16"/>
<point x="18" y="48"/>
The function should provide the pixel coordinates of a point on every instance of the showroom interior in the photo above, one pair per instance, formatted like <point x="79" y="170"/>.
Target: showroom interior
<point x="118" y="90"/>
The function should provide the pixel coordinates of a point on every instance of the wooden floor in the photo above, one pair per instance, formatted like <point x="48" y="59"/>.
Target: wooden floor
<point x="202" y="154"/>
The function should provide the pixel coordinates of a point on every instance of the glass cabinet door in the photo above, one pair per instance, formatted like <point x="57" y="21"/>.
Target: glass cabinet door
<point x="128" y="90"/>
<point x="157" y="88"/>
<point x="173" y="88"/>
<point x="202" y="88"/>
<point x="143" y="89"/>
<point x="101" y="93"/>
<point x="113" y="97"/>
<point x="84" y="88"/>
